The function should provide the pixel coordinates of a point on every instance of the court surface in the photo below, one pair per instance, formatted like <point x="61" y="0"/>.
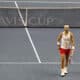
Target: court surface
<point x="31" y="53"/>
<point x="18" y="60"/>
<point x="36" y="72"/>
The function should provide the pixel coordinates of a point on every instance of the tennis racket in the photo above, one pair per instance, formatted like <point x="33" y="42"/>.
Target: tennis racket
<point x="70" y="57"/>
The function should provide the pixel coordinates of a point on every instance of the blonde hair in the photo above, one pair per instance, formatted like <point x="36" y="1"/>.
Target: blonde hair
<point x="66" y="25"/>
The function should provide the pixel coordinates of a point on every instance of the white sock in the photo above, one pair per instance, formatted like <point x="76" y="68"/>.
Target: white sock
<point x="65" y="70"/>
<point x="62" y="72"/>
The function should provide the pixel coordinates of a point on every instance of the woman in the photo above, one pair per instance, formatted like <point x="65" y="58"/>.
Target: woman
<point x="66" y="46"/>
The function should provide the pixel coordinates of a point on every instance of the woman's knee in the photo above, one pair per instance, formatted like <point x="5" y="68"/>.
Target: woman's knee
<point x="62" y="57"/>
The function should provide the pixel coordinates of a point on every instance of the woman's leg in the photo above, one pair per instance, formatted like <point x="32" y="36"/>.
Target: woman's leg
<point x="62" y="61"/>
<point x="67" y="60"/>
<point x="62" y="64"/>
<point x="67" y="55"/>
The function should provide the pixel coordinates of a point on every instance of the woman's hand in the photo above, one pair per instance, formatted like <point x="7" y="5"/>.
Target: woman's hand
<point x="72" y="52"/>
<point x="58" y="47"/>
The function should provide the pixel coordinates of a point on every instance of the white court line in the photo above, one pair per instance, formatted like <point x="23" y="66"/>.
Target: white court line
<point x="48" y="2"/>
<point x="29" y="63"/>
<point x="27" y="31"/>
<point x="54" y="63"/>
<point x="44" y="1"/>
<point x="34" y="48"/>
<point x="41" y="7"/>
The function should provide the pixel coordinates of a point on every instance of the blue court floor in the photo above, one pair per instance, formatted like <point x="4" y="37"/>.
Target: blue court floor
<point x="18" y="60"/>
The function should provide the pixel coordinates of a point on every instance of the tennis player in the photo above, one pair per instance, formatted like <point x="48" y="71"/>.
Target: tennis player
<point x="66" y="47"/>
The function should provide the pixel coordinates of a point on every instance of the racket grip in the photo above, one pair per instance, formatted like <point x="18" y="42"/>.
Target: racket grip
<point x="69" y="61"/>
<point x="72" y="52"/>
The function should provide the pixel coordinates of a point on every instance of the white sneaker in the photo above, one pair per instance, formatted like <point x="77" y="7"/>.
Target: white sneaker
<point x="62" y="73"/>
<point x="65" y="70"/>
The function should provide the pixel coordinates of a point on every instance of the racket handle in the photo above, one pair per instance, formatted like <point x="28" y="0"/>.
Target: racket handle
<point x="72" y="52"/>
<point x="69" y="61"/>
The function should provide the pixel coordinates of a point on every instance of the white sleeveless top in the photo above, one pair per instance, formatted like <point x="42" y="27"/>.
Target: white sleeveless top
<point x="65" y="41"/>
